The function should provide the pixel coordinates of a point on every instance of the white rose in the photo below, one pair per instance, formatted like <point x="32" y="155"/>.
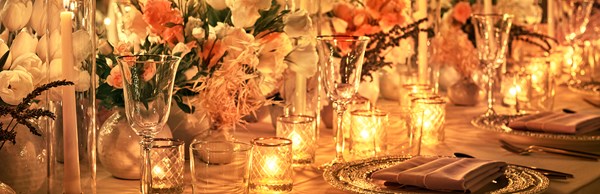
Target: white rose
<point x="297" y="24"/>
<point x="38" y="18"/>
<point x="23" y="43"/>
<point x="55" y="69"/>
<point x="55" y="45"/>
<point x="198" y="33"/>
<point x="244" y="13"/>
<point x="82" y="45"/>
<point x="32" y="64"/>
<point x="104" y="47"/>
<point x="82" y="82"/>
<point x="15" y="85"/>
<point x="217" y="4"/>
<point x="304" y="60"/>
<point x="3" y="50"/>
<point x="16" y="13"/>
<point x="192" y="24"/>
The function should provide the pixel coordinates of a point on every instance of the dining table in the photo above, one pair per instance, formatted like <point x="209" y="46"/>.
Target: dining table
<point x="460" y="136"/>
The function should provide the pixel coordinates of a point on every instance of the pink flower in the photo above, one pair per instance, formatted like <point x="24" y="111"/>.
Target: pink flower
<point x="462" y="12"/>
<point x="149" y="70"/>
<point x="161" y="18"/>
<point x="379" y="8"/>
<point x="115" y="79"/>
<point x="344" y="11"/>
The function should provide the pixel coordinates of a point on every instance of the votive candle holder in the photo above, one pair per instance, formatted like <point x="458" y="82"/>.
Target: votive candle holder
<point x="302" y="130"/>
<point x="432" y="119"/>
<point x="271" y="165"/>
<point x="167" y="161"/>
<point x="408" y="89"/>
<point x="368" y="133"/>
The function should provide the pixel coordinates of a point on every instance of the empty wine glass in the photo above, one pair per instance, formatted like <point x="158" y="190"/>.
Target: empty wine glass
<point x="341" y="60"/>
<point x="147" y="89"/>
<point x="491" y="37"/>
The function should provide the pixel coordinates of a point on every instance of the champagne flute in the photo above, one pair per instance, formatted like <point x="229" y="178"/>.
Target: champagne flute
<point x="491" y="37"/>
<point x="147" y="89"/>
<point x="341" y="60"/>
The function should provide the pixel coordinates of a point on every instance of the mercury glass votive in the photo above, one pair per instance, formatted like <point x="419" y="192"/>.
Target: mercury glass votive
<point x="302" y="130"/>
<point x="166" y="161"/>
<point x="271" y="165"/>
<point x="408" y="89"/>
<point x="432" y="119"/>
<point x="368" y="133"/>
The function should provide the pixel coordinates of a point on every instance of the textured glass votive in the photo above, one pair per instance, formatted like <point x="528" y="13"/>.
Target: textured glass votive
<point x="167" y="160"/>
<point x="421" y="95"/>
<point x="432" y="119"/>
<point x="404" y="132"/>
<point x="219" y="167"/>
<point x="357" y="103"/>
<point x="407" y="89"/>
<point x="271" y="165"/>
<point x="302" y="131"/>
<point x="368" y="133"/>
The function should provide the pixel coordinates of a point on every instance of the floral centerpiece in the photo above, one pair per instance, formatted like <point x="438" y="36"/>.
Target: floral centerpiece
<point x="233" y="52"/>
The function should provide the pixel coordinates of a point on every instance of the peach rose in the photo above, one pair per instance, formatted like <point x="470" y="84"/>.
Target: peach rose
<point x="123" y="48"/>
<point x="344" y="11"/>
<point x="462" y="12"/>
<point x="378" y="8"/>
<point x="115" y="79"/>
<point x="159" y="15"/>
<point x="149" y="70"/>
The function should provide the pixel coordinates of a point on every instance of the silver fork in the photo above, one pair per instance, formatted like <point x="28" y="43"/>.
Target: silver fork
<point x="530" y="149"/>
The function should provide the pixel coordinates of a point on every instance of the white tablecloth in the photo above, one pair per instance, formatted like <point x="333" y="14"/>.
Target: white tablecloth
<point x="461" y="136"/>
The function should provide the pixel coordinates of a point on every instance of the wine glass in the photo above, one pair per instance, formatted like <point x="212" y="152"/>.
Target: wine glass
<point x="341" y="60"/>
<point x="147" y="89"/>
<point x="491" y="37"/>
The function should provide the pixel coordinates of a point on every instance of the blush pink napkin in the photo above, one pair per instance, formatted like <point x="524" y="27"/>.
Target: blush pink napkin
<point x="445" y="174"/>
<point x="558" y="122"/>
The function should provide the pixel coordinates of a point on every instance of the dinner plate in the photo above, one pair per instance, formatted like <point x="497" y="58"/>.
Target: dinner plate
<point x="354" y="177"/>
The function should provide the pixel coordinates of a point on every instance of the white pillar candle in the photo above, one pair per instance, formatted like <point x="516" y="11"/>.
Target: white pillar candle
<point x="422" y="41"/>
<point x="71" y="152"/>
<point x="300" y="95"/>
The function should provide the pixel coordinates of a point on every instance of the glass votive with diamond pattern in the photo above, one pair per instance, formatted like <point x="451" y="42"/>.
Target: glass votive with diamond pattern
<point x="432" y="119"/>
<point x="302" y="130"/>
<point x="408" y="89"/>
<point x="166" y="161"/>
<point x="271" y="165"/>
<point x="367" y="133"/>
<point x="421" y="95"/>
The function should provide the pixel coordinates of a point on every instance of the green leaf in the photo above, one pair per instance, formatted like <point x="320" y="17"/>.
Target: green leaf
<point x="184" y="107"/>
<point x="170" y="24"/>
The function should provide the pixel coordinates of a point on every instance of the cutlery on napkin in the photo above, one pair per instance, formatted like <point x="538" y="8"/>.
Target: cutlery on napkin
<point x="465" y="174"/>
<point x="551" y="174"/>
<point x="558" y="122"/>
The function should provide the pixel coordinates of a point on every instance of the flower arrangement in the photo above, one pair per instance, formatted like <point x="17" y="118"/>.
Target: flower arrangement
<point x="234" y="52"/>
<point x="388" y="23"/>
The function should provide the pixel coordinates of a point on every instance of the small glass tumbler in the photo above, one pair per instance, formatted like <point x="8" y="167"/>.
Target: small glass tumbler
<point x="408" y="89"/>
<point x="432" y="120"/>
<point x="302" y="130"/>
<point x="271" y="165"/>
<point x="368" y="133"/>
<point x="404" y="132"/>
<point x="167" y="160"/>
<point x="219" y="166"/>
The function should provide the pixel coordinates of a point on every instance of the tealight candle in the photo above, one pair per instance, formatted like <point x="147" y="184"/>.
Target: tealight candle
<point x="431" y="120"/>
<point x="367" y="133"/>
<point x="302" y="131"/>
<point x="166" y="161"/>
<point x="271" y="165"/>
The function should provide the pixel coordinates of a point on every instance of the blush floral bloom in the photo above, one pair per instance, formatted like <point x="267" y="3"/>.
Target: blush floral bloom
<point x="115" y="79"/>
<point x="149" y="70"/>
<point x="462" y="12"/>
<point x="164" y="20"/>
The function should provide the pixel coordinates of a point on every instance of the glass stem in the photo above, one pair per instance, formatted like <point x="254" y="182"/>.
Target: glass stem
<point x="340" y="108"/>
<point x="146" y="180"/>
<point x="490" y="91"/>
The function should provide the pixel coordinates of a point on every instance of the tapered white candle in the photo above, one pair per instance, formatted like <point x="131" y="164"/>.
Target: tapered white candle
<point x="487" y="6"/>
<point x="300" y="95"/>
<point x="422" y="41"/>
<point x="71" y="152"/>
<point x="550" y="18"/>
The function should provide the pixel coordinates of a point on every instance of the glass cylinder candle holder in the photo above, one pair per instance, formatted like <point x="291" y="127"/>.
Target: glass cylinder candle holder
<point x="167" y="160"/>
<point x="357" y="103"/>
<point x="407" y="89"/>
<point x="421" y="95"/>
<point x="368" y="133"/>
<point x="219" y="166"/>
<point x="271" y="165"/>
<point x="302" y="131"/>
<point x="515" y="85"/>
<point x="403" y="134"/>
<point x="432" y="119"/>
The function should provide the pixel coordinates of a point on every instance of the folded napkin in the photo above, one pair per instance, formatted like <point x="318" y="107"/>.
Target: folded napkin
<point x="465" y="174"/>
<point x="558" y="122"/>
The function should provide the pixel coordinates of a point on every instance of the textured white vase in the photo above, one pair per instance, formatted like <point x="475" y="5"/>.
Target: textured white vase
<point x="119" y="148"/>
<point x="23" y="165"/>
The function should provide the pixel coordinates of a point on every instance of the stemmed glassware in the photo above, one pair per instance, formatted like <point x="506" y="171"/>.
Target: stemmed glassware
<point x="147" y="89"/>
<point x="491" y="37"/>
<point x="341" y="60"/>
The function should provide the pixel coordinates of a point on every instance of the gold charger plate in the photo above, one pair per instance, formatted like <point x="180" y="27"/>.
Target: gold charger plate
<point x="354" y="177"/>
